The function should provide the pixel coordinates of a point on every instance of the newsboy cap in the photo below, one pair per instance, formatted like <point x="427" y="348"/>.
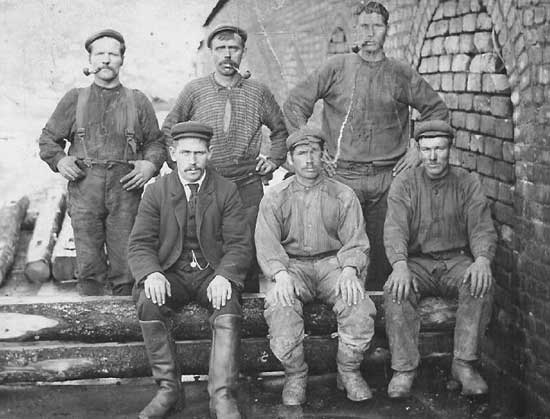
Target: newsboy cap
<point x="222" y="28"/>
<point x="435" y="128"/>
<point x="305" y="135"/>
<point x="109" y="33"/>
<point x="191" y="129"/>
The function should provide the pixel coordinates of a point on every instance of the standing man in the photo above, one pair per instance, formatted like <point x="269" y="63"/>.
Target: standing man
<point x="191" y="242"/>
<point x="236" y="108"/>
<point x="311" y="242"/>
<point x="440" y="240"/>
<point x="115" y="148"/>
<point x="366" y="100"/>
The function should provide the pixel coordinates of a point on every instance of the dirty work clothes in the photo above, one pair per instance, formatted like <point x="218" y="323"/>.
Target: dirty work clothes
<point x="297" y="220"/>
<point x="371" y="185"/>
<point x="380" y="93"/>
<point x="377" y="96"/>
<point x="105" y="128"/>
<point x="317" y="278"/>
<point x="437" y="277"/>
<point x="431" y="216"/>
<point x="435" y="225"/>
<point x="102" y="215"/>
<point x="187" y="284"/>
<point x="236" y="114"/>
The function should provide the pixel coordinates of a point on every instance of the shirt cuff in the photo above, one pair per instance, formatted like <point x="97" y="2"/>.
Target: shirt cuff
<point x="396" y="257"/>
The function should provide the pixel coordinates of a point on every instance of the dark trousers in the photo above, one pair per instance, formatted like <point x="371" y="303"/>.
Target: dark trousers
<point x="371" y="185"/>
<point x="187" y="284"/>
<point x="102" y="216"/>
<point x="251" y="192"/>
<point x="437" y="278"/>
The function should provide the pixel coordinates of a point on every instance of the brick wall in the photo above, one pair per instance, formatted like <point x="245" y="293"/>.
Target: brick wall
<point x="490" y="60"/>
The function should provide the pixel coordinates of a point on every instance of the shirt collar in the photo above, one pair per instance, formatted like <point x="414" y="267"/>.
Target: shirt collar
<point x="218" y="86"/>
<point x="185" y="182"/>
<point x="299" y="186"/>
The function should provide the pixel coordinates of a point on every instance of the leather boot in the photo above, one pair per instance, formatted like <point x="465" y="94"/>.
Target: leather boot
<point x="472" y="383"/>
<point x="401" y="384"/>
<point x="224" y="367"/>
<point x="296" y="369"/>
<point x="162" y="357"/>
<point x="349" y="376"/>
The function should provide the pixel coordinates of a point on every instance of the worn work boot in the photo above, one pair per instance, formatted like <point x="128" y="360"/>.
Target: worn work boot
<point x="401" y="384"/>
<point x="224" y="367"/>
<point x="162" y="357"/>
<point x="296" y="369"/>
<point x="349" y="377"/>
<point x="472" y="383"/>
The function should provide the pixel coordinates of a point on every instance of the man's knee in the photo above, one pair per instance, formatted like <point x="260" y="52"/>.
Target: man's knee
<point x="232" y="306"/>
<point x="146" y="309"/>
<point x="355" y="322"/>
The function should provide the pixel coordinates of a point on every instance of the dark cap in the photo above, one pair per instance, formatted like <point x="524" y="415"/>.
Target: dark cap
<point x="191" y="129"/>
<point x="222" y="28"/>
<point x="435" y="128"/>
<point x="109" y="33"/>
<point x="305" y="135"/>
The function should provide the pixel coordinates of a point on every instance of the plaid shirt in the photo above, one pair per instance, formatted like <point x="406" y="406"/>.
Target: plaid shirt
<point x="236" y="114"/>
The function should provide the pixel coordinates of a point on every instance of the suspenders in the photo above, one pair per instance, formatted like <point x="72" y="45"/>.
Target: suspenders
<point x="131" y="114"/>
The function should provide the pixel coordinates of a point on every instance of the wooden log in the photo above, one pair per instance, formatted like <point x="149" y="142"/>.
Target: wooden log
<point x="59" y="361"/>
<point x="113" y="319"/>
<point x="64" y="253"/>
<point x="48" y="223"/>
<point x="11" y="216"/>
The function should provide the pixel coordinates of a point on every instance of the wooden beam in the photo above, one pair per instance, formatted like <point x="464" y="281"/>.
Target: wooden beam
<point x="11" y="216"/>
<point x="46" y="228"/>
<point x="59" y="361"/>
<point x="113" y="319"/>
<point x="64" y="253"/>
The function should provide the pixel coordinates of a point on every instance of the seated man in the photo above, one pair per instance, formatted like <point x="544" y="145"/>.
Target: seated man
<point x="440" y="240"/>
<point x="191" y="241"/>
<point x="311" y="241"/>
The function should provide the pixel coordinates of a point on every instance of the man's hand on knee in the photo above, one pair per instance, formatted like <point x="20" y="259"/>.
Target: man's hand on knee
<point x="480" y="277"/>
<point x="156" y="288"/>
<point x="284" y="289"/>
<point x="350" y="286"/>
<point x="219" y="291"/>
<point x="400" y="282"/>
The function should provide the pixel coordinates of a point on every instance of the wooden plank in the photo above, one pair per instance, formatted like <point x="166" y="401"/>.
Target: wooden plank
<point x="59" y="361"/>
<point x="48" y="223"/>
<point x="64" y="253"/>
<point x="11" y="216"/>
<point x="113" y="319"/>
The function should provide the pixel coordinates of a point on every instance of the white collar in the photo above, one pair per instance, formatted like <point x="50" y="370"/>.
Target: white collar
<point x="186" y="183"/>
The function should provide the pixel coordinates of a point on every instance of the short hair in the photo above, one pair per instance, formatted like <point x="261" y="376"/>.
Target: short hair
<point x="372" y="7"/>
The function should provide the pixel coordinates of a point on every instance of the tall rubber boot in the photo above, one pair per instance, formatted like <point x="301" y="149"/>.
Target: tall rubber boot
<point x="162" y="357"/>
<point x="349" y="378"/>
<point x="223" y="373"/>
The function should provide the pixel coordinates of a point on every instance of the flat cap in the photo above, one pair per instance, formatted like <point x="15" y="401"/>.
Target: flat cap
<point x="305" y="135"/>
<point x="435" y="128"/>
<point x="109" y="33"/>
<point x="191" y="129"/>
<point x="221" y="28"/>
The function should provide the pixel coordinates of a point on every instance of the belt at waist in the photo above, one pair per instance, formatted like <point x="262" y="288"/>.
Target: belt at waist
<point x="239" y="171"/>
<point x="108" y="163"/>
<point x="315" y="257"/>
<point x="382" y="164"/>
<point x="445" y="254"/>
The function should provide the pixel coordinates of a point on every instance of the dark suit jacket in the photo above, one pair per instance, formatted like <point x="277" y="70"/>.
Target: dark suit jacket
<point x="156" y="240"/>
